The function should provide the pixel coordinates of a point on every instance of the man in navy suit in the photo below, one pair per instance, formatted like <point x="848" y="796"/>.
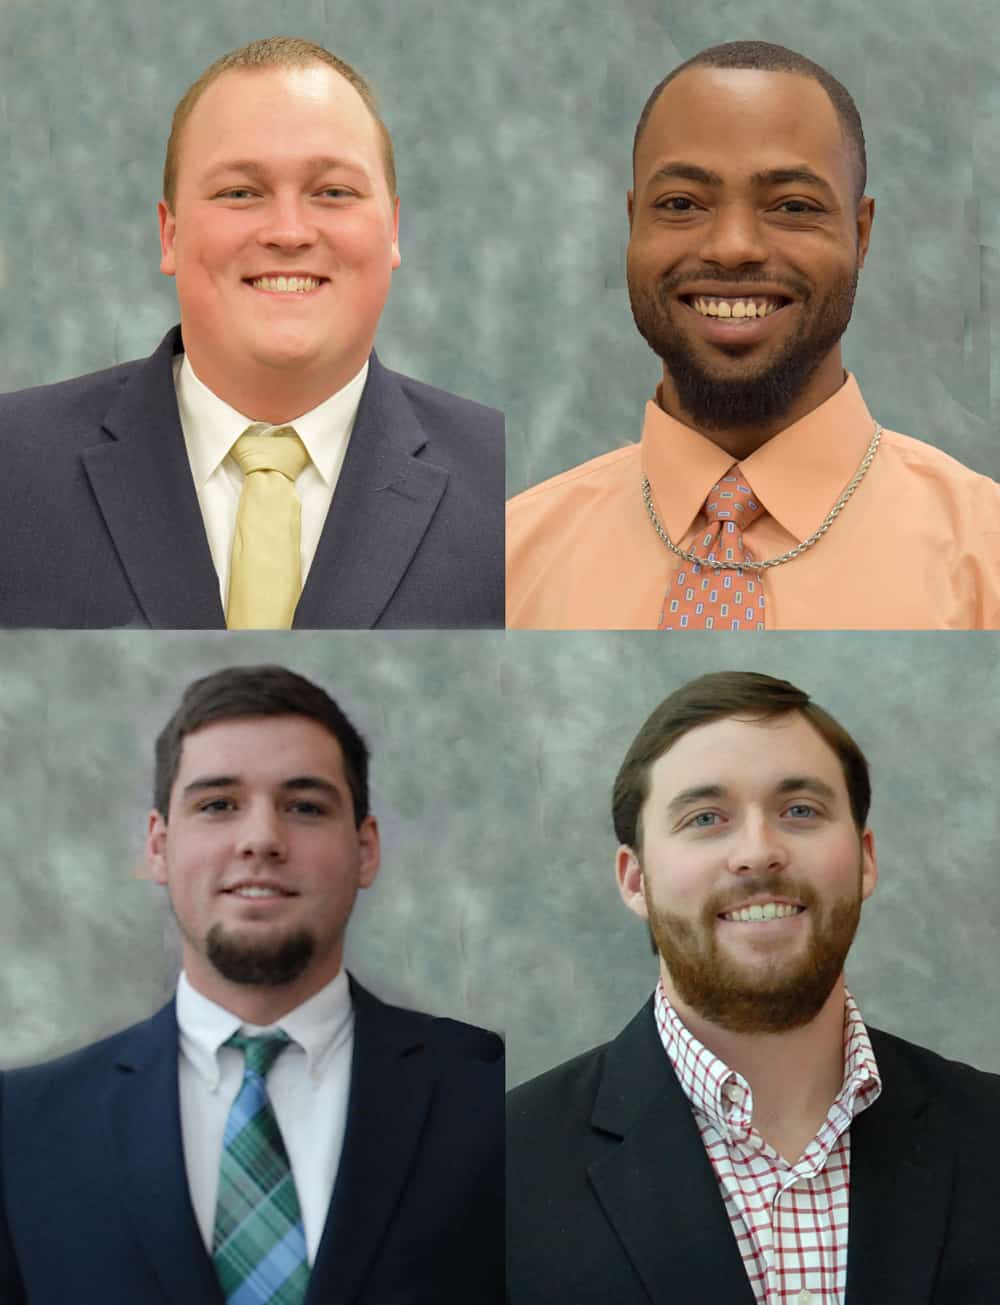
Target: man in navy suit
<point x="382" y="1128"/>
<point x="121" y="494"/>
<point x="747" y="1138"/>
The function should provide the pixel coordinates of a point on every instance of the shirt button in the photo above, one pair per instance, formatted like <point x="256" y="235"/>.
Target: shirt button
<point x="733" y="1092"/>
<point x="804" y="1297"/>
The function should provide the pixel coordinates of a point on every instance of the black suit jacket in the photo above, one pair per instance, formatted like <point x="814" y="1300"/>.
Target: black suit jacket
<point x="100" y="524"/>
<point x="94" y="1202"/>
<point x="612" y="1197"/>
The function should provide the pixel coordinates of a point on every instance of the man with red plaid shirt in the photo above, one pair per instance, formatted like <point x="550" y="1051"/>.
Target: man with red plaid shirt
<point x="746" y="1140"/>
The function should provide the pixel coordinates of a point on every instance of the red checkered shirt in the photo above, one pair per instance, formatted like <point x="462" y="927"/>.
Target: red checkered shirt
<point x="789" y="1221"/>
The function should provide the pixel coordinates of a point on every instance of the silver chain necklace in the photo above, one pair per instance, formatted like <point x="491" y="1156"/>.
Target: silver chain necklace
<point x="832" y="515"/>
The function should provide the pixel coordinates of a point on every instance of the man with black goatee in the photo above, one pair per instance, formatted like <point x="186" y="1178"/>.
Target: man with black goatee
<point x="276" y="1135"/>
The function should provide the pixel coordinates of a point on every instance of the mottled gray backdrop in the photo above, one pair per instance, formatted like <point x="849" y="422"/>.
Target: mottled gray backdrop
<point x="493" y="761"/>
<point x="513" y="127"/>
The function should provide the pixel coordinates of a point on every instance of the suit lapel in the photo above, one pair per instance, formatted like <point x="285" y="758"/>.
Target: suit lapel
<point x="657" y="1187"/>
<point x="142" y="481"/>
<point x="384" y="501"/>
<point x="143" y="1118"/>
<point x="391" y="1090"/>
<point x="901" y="1173"/>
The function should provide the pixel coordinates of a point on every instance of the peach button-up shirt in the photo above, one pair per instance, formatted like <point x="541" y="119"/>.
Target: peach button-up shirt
<point x="917" y="546"/>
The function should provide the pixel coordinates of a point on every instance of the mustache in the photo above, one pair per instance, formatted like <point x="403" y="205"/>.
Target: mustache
<point x="765" y="886"/>
<point x="671" y="282"/>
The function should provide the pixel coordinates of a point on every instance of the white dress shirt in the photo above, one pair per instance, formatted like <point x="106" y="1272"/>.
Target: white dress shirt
<point x="308" y="1087"/>
<point x="211" y="428"/>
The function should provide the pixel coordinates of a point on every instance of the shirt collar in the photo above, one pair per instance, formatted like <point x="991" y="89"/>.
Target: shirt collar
<point x="211" y="427"/>
<point x="724" y="1096"/>
<point x="318" y="1026"/>
<point x="798" y="474"/>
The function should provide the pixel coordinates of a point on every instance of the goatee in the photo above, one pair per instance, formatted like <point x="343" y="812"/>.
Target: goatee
<point x="257" y="962"/>
<point x="766" y="392"/>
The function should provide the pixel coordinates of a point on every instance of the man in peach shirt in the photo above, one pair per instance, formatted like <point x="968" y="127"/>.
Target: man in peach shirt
<point x="763" y="494"/>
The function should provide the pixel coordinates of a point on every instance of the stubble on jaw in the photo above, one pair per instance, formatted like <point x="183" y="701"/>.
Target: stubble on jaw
<point x="773" y="997"/>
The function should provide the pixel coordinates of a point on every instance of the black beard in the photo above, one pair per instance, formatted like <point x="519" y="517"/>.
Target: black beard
<point x="772" y="1001"/>
<point x="263" y="964"/>
<point x="742" y="402"/>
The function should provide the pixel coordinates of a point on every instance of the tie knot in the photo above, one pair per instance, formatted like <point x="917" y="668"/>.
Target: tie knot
<point x="732" y="499"/>
<point x="260" y="1052"/>
<point x="270" y="448"/>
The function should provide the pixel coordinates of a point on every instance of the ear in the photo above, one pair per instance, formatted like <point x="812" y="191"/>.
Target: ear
<point x="156" y="848"/>
<point x="869" y="865"/>
<point x="397" y="257"/>
<point x="630" y="206"/>
<point x="865" y="218"/>
<point x="631" y="881"/>
<point x="371" y="851"/>
<point x="168" y="232"/>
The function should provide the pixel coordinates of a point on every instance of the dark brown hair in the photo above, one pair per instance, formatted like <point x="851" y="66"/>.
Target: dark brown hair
<point x="244" y="692"/>
<point x="273" y="52"/>
<point x="745" y="695"/>
<point x="775" y="58"/>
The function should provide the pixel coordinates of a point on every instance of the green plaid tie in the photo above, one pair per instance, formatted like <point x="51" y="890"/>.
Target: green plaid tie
<point x="259" y="1247"/>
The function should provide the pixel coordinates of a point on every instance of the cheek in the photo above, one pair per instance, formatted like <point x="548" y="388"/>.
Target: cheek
<point x="363" y="240"/>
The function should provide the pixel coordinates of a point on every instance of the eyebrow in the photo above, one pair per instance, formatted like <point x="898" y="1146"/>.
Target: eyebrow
<point x="251" y="167"/>
<point x="295" y="784"/>
<point x="766" y="177"/>
<point x="792" y="784"/>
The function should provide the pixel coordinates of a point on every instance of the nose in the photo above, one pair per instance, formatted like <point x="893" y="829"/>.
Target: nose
<point x="287" y="223"/>
<point x="734" y="237"/>
<point x="757" y="848"/>
<point x="261" y="837"/>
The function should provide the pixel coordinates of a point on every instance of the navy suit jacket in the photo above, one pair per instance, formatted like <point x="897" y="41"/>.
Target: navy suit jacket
<point x="100" y="524"/>
<point x="612" y="1197"/>
<point x="94" y="1202"/>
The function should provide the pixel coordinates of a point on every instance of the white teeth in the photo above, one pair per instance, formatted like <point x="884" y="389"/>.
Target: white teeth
<point x="256" y="892"/>
<point x="742" y="308"/>
<point x="283" y="284"/>
<point x="769" y="911"/>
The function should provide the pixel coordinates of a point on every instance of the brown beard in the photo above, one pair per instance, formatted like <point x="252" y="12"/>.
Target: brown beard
<point x="775" y="997"/>
<point x="265" y="964"/>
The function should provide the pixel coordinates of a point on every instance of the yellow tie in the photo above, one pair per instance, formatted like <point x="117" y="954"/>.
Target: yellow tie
<point x="265" y="571"/>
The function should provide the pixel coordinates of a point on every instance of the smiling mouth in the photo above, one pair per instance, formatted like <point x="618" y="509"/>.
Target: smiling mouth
<point x="746" y="308"/>
<point x="759" y="913"/>
<point x="282" y="285"/>
<point x="257" y="892"/>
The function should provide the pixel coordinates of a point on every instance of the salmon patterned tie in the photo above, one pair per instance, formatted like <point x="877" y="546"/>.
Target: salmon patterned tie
<point x="700" y="597"/>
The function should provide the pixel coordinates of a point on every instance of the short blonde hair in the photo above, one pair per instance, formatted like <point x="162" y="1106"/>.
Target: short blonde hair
<point x="273" y="52"/>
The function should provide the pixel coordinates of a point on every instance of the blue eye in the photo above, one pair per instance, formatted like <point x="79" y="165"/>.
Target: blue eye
<point x="703" y="820"/>
<point x="802" y="809"/>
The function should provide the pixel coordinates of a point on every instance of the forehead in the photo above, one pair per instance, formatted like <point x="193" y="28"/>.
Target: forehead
<point x="747" y="756"/>
<point x="261" y="749"/>
<point x="279" y="113"/>
<point x="737" y="121"/>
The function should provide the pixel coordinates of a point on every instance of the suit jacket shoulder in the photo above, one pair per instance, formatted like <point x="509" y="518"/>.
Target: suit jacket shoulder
<point x="445" y="1036"/>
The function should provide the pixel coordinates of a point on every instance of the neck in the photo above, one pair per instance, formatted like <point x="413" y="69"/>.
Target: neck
<point x="794" y="1076"/>
<point x="254" y="1004"/>
<point x="740" y="441"/>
